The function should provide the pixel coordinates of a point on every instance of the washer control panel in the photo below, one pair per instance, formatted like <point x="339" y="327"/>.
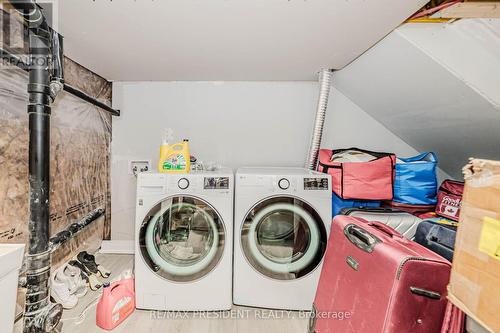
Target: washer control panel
<point x="216" y="183"/>
<point x="284" y="184"/>
<point x="183" y="183"/>
<point x="315" y="183"/>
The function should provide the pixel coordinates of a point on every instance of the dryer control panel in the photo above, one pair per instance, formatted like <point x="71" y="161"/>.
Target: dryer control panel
<point x="316" y="183"/>
<point x="286" y="183"/>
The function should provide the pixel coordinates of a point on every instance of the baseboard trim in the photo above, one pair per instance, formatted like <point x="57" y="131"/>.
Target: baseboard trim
<point x="117" y="247"/>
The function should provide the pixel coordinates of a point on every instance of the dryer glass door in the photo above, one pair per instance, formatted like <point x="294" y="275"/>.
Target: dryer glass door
<point x="283" y="238"/>
<point x="182" y="238"/>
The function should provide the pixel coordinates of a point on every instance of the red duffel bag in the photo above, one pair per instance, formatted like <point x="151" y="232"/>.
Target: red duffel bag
<point x="449" y="199"/>
<point x="366" y="180"/>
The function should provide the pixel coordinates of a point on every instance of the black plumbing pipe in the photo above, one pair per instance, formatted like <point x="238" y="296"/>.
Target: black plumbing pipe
<point x="73" y="229"/>
<point x="39" y="142"/>
<point x="91" y="100"/>
<point x="30" y="12"/>
<point x="38" y="275"/>
<point x="57" y="66"/>
<point x="57" y="48"/>
<point x="39" y="314"/>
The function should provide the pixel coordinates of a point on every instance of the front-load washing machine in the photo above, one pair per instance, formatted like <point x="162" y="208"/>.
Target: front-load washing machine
<point x="282" y="221"/>
<point x="183" y="241"/>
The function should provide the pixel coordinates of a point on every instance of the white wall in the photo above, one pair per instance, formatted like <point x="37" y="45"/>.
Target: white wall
<point x="232" y="123"/>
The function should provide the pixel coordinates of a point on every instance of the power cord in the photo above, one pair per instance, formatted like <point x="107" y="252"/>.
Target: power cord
<point x="83" y="315"/>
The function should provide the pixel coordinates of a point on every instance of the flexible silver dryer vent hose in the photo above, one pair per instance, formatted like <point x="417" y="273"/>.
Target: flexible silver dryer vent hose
<point x="325" y="80"/>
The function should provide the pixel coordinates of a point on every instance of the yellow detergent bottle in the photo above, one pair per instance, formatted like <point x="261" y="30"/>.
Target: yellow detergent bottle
<point x="174" y="158"/>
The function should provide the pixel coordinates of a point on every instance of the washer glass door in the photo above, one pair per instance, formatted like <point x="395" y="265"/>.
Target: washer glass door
<point x="182" y="238"/>
<point x="283" y="238"/>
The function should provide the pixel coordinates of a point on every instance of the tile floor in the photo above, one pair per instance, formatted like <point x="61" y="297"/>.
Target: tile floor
<point x="240" y="319"/>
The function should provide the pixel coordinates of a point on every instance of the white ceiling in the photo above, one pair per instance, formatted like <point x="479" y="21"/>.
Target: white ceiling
<point x="143" y="40"/>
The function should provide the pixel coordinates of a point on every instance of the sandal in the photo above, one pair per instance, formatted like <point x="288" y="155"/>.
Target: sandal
<point x="87" y="275"/>
<point x="89" y="261"/>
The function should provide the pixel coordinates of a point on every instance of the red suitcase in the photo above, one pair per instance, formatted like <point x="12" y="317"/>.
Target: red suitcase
<point x="375" y="281"/>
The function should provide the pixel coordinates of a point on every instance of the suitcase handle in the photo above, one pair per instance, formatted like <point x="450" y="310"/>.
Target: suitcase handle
<point x="385" y="229"/>
<point x="426" y="293"/>
<point x="360" y="237"/>
<point x="378" y="209"/>
<point x="347" y="211"/>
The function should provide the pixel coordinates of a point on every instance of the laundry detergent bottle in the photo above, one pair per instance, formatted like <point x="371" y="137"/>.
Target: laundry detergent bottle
<point x="175" y="158"/>
<point x="116" y="303"/>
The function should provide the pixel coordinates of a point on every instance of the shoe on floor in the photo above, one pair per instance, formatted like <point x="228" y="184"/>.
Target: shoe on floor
<point x="89" y="261"/>
<point x="91" y="278"/>
<point x="71" y="275"/>
<point x="59" y="291"/>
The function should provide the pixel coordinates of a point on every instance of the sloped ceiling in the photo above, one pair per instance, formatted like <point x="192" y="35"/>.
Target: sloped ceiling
<point x="434" y="86"/>
<point x="129" y="40"/>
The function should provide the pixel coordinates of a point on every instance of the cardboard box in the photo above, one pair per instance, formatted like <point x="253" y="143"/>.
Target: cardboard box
<point x="475" y="276"/>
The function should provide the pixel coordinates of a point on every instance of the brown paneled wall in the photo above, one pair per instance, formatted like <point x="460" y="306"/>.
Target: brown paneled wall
<point x="80" y="161"/>
<point x="80" y="153"/>
<point x="80" y="149"/>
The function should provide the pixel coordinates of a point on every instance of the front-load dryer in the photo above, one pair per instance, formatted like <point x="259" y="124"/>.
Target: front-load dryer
<point x="183" y="241"/>
<point x="282" y="221"/>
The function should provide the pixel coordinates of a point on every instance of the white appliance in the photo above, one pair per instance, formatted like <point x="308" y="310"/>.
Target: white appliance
<point x="282" y="220"/>
<point x="183" y="241"/>
<point x="11" y="259"/>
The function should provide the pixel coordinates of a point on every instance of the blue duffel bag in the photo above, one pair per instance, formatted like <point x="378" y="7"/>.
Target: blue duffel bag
<point x="338" y="204"/>
<point x="416" y="181"/>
